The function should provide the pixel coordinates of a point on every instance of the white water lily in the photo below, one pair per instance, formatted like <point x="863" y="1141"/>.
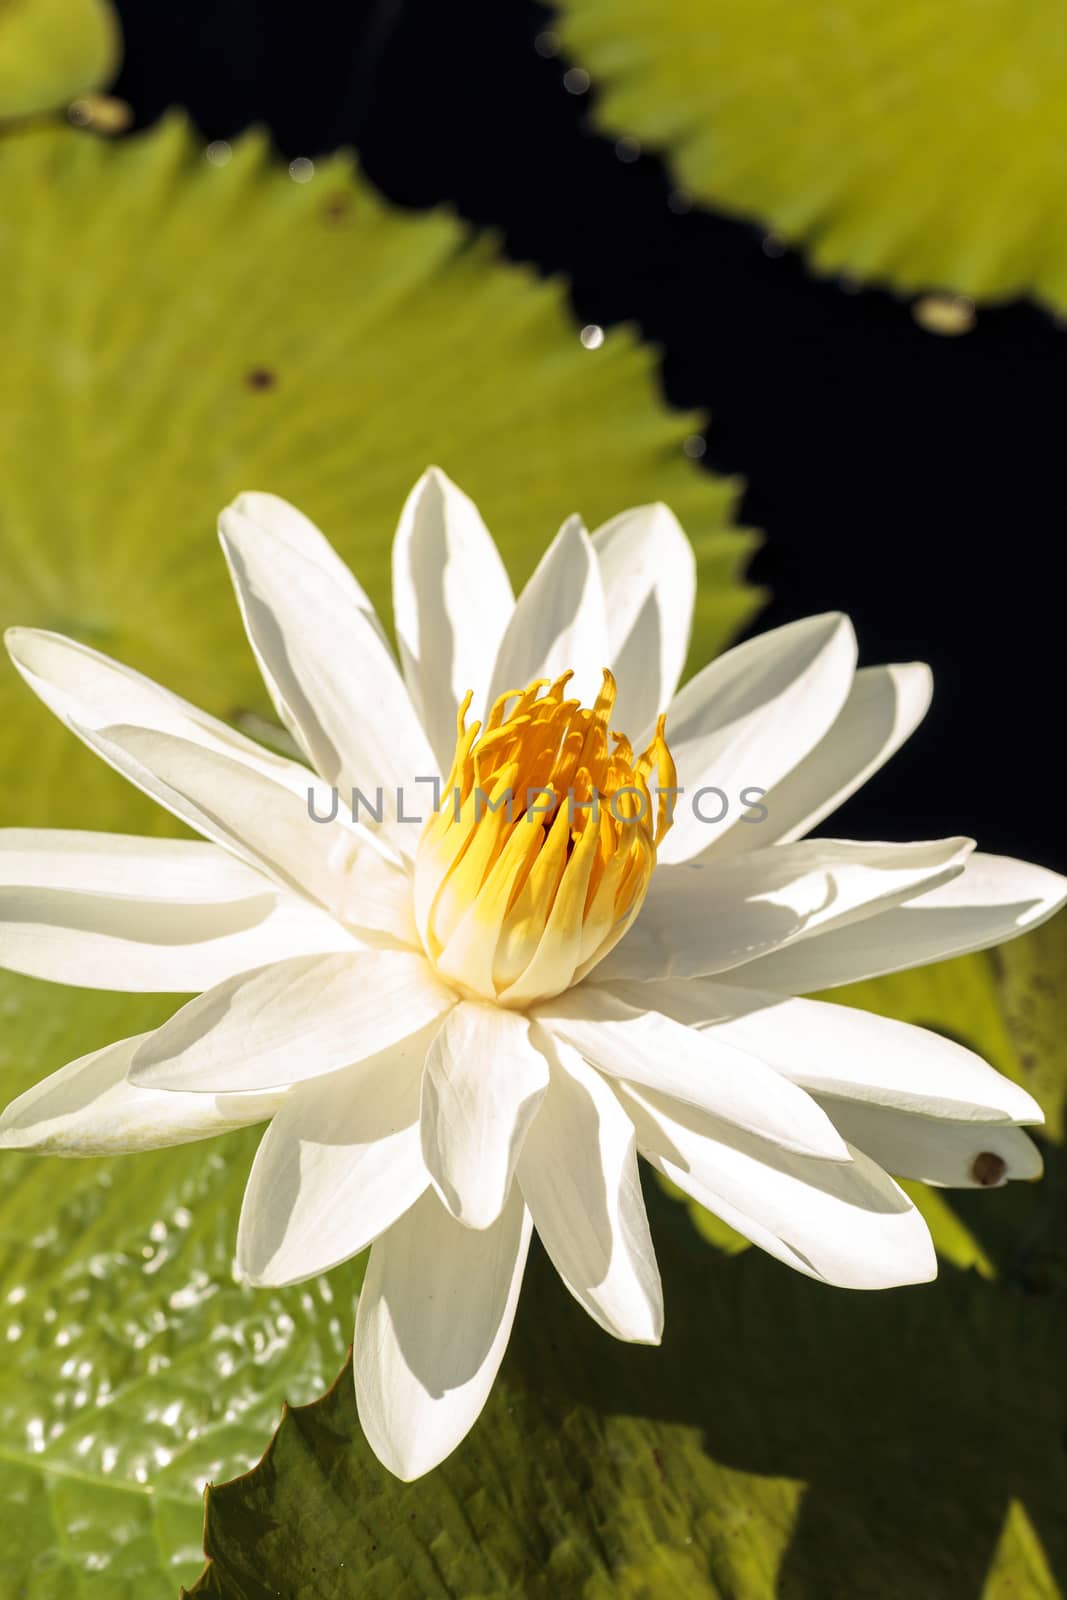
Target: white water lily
<point x="465" y="1029"/>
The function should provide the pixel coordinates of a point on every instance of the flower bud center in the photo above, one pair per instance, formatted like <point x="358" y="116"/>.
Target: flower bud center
<point x="540" y="853"/>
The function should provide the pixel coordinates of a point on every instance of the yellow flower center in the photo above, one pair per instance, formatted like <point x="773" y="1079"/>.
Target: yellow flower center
<point x="540" y="852"/>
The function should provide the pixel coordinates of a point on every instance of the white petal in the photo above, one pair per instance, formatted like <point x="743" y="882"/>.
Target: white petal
<point x="291" y="1021"/>
<point x="884" y="707"/>
<point x="147" y="946"/>
<point x="332" y="676"/>
<point x="644" y="1047"/>
<point x="751" y="715"/>
<point x="559" y="622"/>
<point x="95" y="697"/>
<point x="338" y="1165"/>
<point x="709" y="918"/>
<point x="846" y="1223"/>
<point x="263" y="822"/>
<point x="434" y="1318"/>
<point x="285" y="524"/>
<point x="843" y="1051"/>
<point x="452" y="602"/>
<point x="483" y="1084"/>
<point x="648" y="572"/>
<point x="995" y="898"/>
<point x="89" y="691"/>
<point x="369" y="893"/>
<point x="89" y="1108"/>
<point x="185" y="871"/>
<point x="145" y="915"/>
<point x="957" y="1155"/>
<point x="578" y="1174"/>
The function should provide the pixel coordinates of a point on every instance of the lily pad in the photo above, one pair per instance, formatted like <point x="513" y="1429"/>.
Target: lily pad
<point x="134" y="1369"/>
<point x="53" y="50"/>
<point x="176" y="331"/>
<point x="920" y="146"/>
<point x="788" y="1441"/>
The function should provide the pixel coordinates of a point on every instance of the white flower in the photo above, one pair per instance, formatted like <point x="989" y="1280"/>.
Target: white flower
<point x="463" y="1031"/>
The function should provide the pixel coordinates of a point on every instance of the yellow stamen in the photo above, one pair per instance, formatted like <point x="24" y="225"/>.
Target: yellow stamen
<point x="540" y="853"/>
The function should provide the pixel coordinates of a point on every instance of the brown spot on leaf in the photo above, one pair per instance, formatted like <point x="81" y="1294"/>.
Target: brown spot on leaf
<point x="988" y="1169"/>
<point x="261" y="378"/>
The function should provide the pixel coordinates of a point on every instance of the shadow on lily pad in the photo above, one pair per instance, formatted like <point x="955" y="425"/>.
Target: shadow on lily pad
<point x="786" y="1440"/>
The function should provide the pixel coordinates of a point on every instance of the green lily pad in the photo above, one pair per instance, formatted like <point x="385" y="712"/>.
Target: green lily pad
<point x="53" y="50"/>
<point x="787" y="1440"/>
<point x="176" y="331"/>
<point x="920" y="146"/>
<point x="134" y="1368"/>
